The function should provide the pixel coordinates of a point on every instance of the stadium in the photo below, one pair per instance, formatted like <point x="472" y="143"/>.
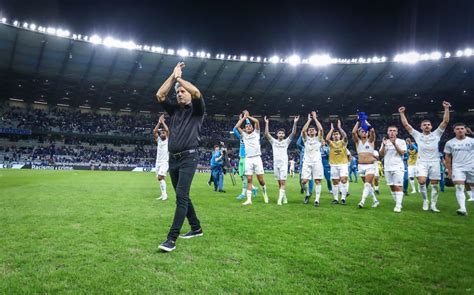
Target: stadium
<point x="85" y="207"/>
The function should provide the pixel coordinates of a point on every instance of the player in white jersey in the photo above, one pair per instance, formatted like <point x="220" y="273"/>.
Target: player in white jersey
<point x="312" y="159"/>
<point x="365" y="144"/>
<point x="392" y="150"/>
<point x="280" y="156"/>
<point x="428" y="162"/>
<point x="162" y="156"/>
<point x="377" y="172"/>
<point x="460" y="163"/>
<point x="292" y="168"/>
<point x="253" y="161"/>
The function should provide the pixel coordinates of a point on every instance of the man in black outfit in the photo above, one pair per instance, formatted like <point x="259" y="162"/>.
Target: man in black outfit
<point x="186" y="118"/>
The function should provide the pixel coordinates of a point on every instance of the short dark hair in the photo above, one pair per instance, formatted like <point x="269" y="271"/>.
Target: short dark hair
<point x="459" y="124"/>
<point x="281" y="129"/>
<point x="216" y="146"/>
<point x="311" y="126"/>
<point x="392" y="126"/>
<point x="425" y="120"/>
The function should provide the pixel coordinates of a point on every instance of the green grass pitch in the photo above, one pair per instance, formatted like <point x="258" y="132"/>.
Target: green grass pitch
<point x="98" y="232"/>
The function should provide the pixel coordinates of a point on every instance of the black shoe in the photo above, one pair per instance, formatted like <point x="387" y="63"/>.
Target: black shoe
<point x="192" y="234"/>
<point x="222" y="191"/>
<point x="334" y="202"/>
<point x="302" y="190"/>
<point x="348" y="194"/>
<point x="306" y="199"/>
<point x="316" y="204"/>
<point x="461" y="213"/>
<point x="377" y="192"/>
<point x="168" y="245"/>
<point x="405" y="194"/>
<point x="343" y="202"/>
<point x="208" y="183"/>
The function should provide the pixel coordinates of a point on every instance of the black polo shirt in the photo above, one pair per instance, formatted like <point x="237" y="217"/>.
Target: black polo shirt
<point x="185" y="124"/>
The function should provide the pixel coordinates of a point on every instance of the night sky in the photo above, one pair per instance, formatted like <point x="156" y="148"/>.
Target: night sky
<point x="342" y="28"/>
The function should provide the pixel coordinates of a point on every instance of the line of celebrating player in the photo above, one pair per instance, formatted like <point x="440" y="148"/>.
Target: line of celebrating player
<point x="459" y="159"/>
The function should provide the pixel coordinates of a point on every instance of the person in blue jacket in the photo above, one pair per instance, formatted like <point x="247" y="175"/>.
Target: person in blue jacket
<point x="217" y="169"/>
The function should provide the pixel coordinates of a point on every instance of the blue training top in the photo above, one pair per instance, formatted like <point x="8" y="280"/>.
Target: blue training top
<point x="325" y="156"/>
<point x="242" y="145"/>
<point x="214" y="163"/>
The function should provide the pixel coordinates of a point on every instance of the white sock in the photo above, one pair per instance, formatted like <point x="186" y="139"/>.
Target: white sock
<point x="434" y="195"/>
<point x="347" y="187"/>
<point x="249" y="195"/>
<point x="264" y="190"/>
<point x="423" y="192"/>
<point x="412" y="184"/>
<point x="306" y="188"/>
<point x="398" y="199"/>
<point x="163" y="187"/>
<point x="372" y="193"/>
<point x="376" y="187"/>
<point x="366" y="191"/>
<point x="469" y="193"/>
<point x="281" y="195"/>
<point x="344" y="190"/>
<point x="461" y="197"/>
<point x="335" y="192"/>
<point x="318" y="191"/>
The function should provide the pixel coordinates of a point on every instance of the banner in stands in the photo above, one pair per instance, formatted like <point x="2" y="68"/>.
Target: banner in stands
<point x="76" y="167"/>
<point x="15" y="131"/>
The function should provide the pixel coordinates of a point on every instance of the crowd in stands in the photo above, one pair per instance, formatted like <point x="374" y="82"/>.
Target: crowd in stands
<point x="72" y="148"/>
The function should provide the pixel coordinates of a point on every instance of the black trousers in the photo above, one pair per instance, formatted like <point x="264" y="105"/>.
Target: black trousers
<point x="182" y="172"/>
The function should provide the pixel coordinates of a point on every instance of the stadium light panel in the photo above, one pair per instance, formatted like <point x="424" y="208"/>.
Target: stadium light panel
<point x="15" y="23"/>
<point x="170" y="51"/>
<point x="4" y="20"/>
<point x="259" y="58"/>
<point x="447" y="55"/>
<point x="459" y="53"/>
<point x="274" y="59"/>
<point x="243" y="58"/>
<point x="25" y="25"/>
<point x="294" y="60"/>
<point x="32" y="27"/>
<point x="95" y="39"/>
<point x="183" y="52"/>
<point x="467" y="52"/>
<point x="51" y="30"/>
<point x="435" y="55"/>
<point x="320" y="59"/>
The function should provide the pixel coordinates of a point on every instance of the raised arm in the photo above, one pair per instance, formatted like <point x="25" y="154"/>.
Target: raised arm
<point x="163" y="123"/>
<point x="293" y="130"/>
<point x="267" y="133"/>
<point x="382" y="147"/>
<point x="318" y="125"/>
<point x="156" y="131"/>
<point x="239" y="123"/>
<point x="355" y="136"/>
<point x="328" y="136"/>
<point x="372" y="135"/>
<point x="305" y="127"/>
<point x="343" y="133"/>
<point x="255" y="121"/>
<point x="404" y="120"/>
<point x="169" y="83"/>
<point x="445" y="121"/>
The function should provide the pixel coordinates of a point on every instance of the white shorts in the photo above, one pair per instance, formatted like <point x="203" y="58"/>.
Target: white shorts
<point x="253" y="165"/>
<point x="394" y="177"/>
<point x="366" y="169"/>
<point x="161" y="168"/>
<point x="411" y="171"/>
<point x="432" y="170"/>
<point x="312" y="170"/>
<point x="377" y="172"/>
<point x="338" y="171"/>
<point x="466" y="176"/>
<point x="280" y="173"/>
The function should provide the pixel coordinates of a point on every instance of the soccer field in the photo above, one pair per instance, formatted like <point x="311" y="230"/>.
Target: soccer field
<point x="98" y="232"/>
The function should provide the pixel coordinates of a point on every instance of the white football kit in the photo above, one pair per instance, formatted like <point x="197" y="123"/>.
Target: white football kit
<point x="162" y="157"/>
<point x="462" y="152"/>
<point x="312" y="159"/>
<point x="393" y="163"/>
<point x="280" y="157"/>
<point x="253" y="161"/>
<point x="428" y="162"/>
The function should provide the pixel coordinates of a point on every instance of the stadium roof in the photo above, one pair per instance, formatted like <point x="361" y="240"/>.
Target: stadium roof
<point x="43" y="67"/>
